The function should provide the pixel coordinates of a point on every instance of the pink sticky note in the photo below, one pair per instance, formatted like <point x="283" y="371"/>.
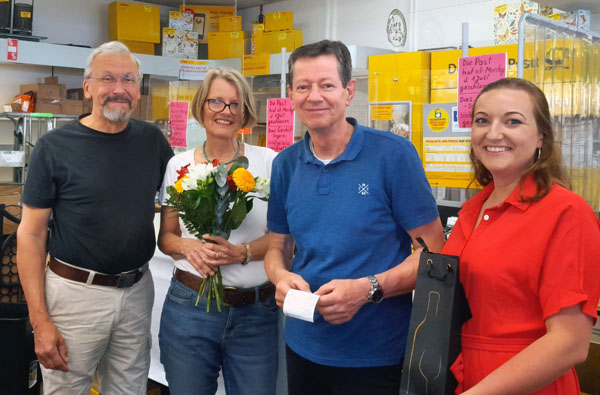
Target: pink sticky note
<point x="178" y="118"/>
<point x="474" y="73"/>
<point x="280" y="124"/>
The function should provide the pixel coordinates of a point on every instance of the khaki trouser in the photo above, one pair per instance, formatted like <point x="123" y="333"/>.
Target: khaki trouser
<point x="105" y="329"/>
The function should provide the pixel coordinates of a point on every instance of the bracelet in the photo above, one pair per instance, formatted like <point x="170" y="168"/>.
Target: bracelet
<point x="248" y="254"/>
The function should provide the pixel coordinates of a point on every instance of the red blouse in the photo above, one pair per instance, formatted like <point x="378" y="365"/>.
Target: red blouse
<point x="523" y="263"/>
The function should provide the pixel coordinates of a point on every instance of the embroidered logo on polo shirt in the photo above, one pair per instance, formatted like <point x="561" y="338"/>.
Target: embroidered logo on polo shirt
<point x="363" y="189"/>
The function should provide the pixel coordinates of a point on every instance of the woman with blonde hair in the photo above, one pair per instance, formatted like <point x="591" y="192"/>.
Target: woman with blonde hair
<point x="241" y="339"/>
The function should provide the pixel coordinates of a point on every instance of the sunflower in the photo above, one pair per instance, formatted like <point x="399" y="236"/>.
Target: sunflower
<point x="243" y="179"/>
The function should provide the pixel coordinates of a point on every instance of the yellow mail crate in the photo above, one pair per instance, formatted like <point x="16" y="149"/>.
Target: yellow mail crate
<point x="273" y="42"/>
<point x="137" y="22"/>
<point x="224" y="45"/>
<point x="230" y="23"/>
<point x="275" y="21"/>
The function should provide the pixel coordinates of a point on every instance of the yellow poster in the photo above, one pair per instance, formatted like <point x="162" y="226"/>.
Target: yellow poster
<point x="438" y="120"/>
<point x="382" y="112"/>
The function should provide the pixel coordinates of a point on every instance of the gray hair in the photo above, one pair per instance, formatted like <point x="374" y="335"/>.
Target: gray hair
<point x="110" y="48"/>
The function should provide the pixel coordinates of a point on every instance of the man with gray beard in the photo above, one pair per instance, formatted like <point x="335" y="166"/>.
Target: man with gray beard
<point x="90" y="300"/>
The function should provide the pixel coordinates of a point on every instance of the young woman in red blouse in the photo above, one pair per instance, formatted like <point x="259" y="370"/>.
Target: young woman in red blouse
<point x="529" y="251"/>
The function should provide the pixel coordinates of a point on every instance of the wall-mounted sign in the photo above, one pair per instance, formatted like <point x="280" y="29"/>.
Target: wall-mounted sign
<point x="280" y="124"/>
<point x="474" y="73"/>
<point x="178" y="119"/>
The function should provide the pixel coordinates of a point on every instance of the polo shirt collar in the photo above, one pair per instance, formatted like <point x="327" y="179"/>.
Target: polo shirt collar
<point x="352" y="149"/>
<point x="529" y="188"/>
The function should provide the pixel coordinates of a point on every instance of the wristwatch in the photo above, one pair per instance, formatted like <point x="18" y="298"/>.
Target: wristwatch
<point x="376" y="293"/>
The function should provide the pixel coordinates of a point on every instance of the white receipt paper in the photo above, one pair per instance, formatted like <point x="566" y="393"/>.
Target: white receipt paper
<point x="300" y="304"/>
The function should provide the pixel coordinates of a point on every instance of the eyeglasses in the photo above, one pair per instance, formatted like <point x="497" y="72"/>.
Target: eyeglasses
<point x="216" y="105"/>
<point x="109" y="79"/>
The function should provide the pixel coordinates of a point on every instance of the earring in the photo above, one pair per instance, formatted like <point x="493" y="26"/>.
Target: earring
<point x="538" y="153"/>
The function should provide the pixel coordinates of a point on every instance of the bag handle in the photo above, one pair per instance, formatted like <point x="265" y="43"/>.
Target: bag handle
<point x="422" y="242"/>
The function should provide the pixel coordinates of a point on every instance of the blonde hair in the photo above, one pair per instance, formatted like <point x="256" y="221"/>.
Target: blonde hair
<point x="236" y="79"/>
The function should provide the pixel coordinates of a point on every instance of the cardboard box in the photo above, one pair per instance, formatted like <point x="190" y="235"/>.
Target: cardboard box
<point x="230" y="24"/>
<point x="52" y="106"/>
<point x="180" y="44"/>
<point x="181" y="20"/>
<point x="142" y="47"/>
<point x="75" y="94"/>
<point x="275" y="21"/>
<point x="206" y="19"/>
<point x="131" y="21"/>
<point x="10" y="196"/>
<point x="45" y="91"/>
<point x="51" y="80"/>
<point x="506" y="20"/>
<point x="273" y="42"/>
<point x="87" y="106"/>
<point x="224" y="45"/>
<point x="71" y="107"/>
<point x="51" y="91"/>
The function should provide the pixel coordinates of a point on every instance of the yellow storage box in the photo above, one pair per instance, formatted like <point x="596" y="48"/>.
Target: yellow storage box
<point x="137" y="22"/>
<point x="230" y="24"/>
<point x="272" y="42"/>
<point x="224" y="45"/>
<point x="275" y="21"/>
<point x="139" y="47"/>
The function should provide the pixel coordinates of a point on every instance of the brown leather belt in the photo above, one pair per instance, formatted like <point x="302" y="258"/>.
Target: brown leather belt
<point x="233" y="296"/>
<point x="122" y="280"/>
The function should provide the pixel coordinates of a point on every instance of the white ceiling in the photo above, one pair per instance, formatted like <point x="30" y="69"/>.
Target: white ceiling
<point x="573" y="5"/>
<point x="241" y="4"/>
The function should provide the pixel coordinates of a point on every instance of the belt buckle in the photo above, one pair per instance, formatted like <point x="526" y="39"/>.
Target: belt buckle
<point x="126" y="280"/>
<point x="227" y="288"/>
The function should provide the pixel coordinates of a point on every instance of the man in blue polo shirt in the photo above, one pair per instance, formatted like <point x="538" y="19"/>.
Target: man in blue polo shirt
<point x="353" y="200"/>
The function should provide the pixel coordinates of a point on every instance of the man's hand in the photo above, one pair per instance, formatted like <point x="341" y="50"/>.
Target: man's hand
<point x="341" y="299"/>
<point x="285" y="281"/>
<point x="50" y="347"/>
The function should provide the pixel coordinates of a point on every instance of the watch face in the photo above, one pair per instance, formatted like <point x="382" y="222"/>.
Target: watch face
<point x="377" y="296"/>
<point x="396" y="28"/>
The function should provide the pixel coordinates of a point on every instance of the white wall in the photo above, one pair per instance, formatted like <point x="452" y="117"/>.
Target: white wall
<point x="431" y="23"/>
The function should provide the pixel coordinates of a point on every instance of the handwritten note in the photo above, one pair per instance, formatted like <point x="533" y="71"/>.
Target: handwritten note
<point x="178" y="118"/>
<point x="280" y="124"/>
<point x="474" y="73"/>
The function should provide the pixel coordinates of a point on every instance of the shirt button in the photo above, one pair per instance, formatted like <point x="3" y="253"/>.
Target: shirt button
<point x="486" y="217"/>
<point x="325" y="170"/>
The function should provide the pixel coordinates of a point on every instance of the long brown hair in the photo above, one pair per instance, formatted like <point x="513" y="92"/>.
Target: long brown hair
<point x="547" y="168"/>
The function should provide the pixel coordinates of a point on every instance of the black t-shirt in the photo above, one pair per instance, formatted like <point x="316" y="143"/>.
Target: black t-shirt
<point x="101" y="188"/>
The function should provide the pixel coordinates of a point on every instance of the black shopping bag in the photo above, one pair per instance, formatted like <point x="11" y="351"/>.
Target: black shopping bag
<point x="439" y="310"/>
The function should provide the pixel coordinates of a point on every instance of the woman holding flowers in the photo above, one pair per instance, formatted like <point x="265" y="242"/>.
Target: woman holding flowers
<point x="205" y="328"/>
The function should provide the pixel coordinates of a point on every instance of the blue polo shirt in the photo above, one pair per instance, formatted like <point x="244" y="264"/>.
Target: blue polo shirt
<point x="349" y="219"/>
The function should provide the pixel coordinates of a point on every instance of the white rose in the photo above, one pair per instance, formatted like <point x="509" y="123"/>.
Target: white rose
<point x="262" y="187"/>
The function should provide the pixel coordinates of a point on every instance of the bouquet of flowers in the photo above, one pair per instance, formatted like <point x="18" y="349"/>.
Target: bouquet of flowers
<point x="211" y="199"/>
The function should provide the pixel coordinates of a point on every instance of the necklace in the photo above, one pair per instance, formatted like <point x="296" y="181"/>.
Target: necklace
<point x="237" y="155"/>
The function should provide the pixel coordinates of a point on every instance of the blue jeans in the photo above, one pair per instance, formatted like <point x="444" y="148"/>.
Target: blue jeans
<point x="195" y="345"/>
